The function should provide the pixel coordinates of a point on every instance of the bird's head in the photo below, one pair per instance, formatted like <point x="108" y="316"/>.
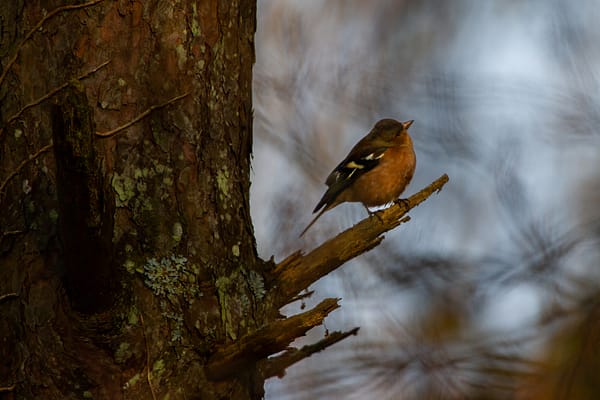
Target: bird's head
<point x="389" y="130"/>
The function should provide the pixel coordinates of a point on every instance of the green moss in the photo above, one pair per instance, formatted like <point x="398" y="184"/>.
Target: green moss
<point x="195" y="25"/>
<point x="135" y="191"/>
<point x="256" y="284"/>
<point x="132" y="381"/>
<point x="172" y="279"/>
<point x="170" y="276"/>
<point x="235" y="249"/>
<point x="159" y="168"/>
<point x="123" y="353"/>
<point x="176" y="321"/>
<point x="141" y="173"/>
<point x="237" y="294"/>
<point x="177" y="231"/>
<point x="53" y="214"/>
<point x="222" y="285"/>
<point x="141" y="186"/>
<point x="181" y="55"/>
<point x="223" y="184"/>
<point x="145" y="205"/>
<point x="158" y="367"/>
<point x="145" y="192"/>
<point x="132" y="317"/>
<point x="129" y="266"/>
<point x="77" y="85"/>
<point x="124" y="186"/>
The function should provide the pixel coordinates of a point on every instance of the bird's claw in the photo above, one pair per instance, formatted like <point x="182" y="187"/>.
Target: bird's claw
<point x="404" y="202"/>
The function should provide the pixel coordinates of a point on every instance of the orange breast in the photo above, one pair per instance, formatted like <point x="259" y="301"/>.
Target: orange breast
<point x="384" y="183"/>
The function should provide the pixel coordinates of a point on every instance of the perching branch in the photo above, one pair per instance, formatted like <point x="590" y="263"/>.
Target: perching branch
<point x="38" y="26"/>
<point x="276" y="366"/>
<point x="140" y="117"/>
<point x="298" y="271"/>
<point x="266" y="341"/>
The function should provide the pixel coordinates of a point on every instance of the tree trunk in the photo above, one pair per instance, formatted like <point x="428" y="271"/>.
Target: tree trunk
<point x="127" y="259"/>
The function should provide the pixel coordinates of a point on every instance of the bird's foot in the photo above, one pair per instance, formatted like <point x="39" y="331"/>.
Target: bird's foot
<point x="404" y="202"/>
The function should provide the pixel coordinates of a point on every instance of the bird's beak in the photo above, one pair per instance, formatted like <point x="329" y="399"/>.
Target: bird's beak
<point x="407" y="124"/>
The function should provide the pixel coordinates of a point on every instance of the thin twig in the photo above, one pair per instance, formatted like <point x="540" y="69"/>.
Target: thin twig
<point x="38" y="26"/>
<point x="23" y="164"/>
<point x="51" y="93"/>
<point x="13" y="232"/>
<point x="302" y="296"/>
<point x="140" y="117"/>
<point x="147" y="358"/>
<point x="277" y="366"/>
<point x="7" y="388"/>
<point x="8" y="296"/>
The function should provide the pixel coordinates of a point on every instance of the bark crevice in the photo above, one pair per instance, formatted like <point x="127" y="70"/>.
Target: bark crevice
<point x="85" y="216"/>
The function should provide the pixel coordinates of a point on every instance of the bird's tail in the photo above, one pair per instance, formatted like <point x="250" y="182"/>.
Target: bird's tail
<point x="314" y="220"/>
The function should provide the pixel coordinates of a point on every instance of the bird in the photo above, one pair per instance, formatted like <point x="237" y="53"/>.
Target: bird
<point x="375" y="172"/>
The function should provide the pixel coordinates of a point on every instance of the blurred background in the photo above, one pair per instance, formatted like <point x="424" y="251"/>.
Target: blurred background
<point x="492" y="290"/>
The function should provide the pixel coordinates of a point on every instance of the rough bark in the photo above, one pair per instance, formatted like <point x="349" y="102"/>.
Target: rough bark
<point x="131" y="257"/>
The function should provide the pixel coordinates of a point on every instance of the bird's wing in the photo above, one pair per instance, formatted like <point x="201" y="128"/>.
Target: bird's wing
<point x="360" y="160"/>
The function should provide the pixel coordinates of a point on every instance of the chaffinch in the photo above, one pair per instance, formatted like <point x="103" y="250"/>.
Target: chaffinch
<point x="375" y="172"/>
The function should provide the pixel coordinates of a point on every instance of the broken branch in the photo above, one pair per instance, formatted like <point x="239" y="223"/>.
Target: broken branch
<point x="276" y="366"/>
<point x="266" y="341"/>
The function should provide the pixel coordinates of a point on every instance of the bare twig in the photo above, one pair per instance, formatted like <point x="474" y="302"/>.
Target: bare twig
<point x="140" y="117"/>
<point x="38" y="26"/>
<point x="303" y="296"/>
<point x="8" y="296"/>
<point x="298" y="271"/>
<point x="7" y="233"/>
<point x="22" y="165"/>
<point x="7" y="388"/>
<point x="50" y="94"/>
<point x="276" y="366"/>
